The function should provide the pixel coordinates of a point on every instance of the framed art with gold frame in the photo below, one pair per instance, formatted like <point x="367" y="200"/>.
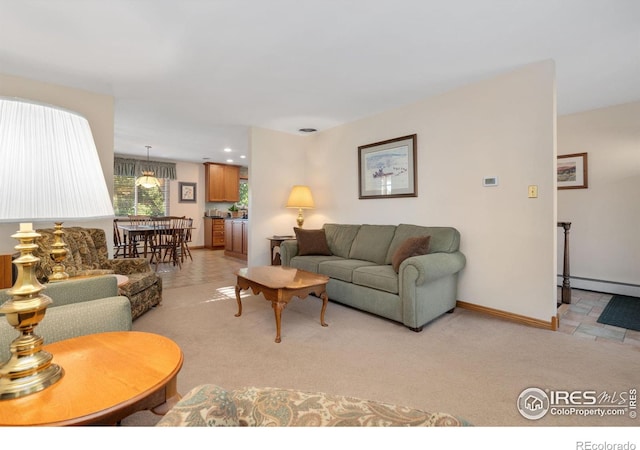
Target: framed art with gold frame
<point x="572" y="171"/>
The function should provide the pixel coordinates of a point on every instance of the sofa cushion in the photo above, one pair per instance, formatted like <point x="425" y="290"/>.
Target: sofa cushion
<point x="443" y="239"/>
<point x="340" y="238"/>
<point x="342" y="269"/>
<point x="204" y="405"/>
<point x="413" y="246"/>
<point x="274" y="407"/>
<point x="372" y="243"/>
<point x="310" y="263"/>
<point x="311" y="242"/>
<point x="382" y="278"/>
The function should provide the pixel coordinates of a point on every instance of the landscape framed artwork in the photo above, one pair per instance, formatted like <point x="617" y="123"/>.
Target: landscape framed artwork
<point x="572" y="171"/>
<point x="187" y="192"/>
<point x="387" y="169"/>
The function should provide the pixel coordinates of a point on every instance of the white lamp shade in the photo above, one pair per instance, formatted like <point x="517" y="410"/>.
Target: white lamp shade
<point x="300" y="197"/>
<point x="49" y="165"/>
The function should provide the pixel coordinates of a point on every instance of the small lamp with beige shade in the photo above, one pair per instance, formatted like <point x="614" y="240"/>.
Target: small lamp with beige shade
<point x="301" y="198"/>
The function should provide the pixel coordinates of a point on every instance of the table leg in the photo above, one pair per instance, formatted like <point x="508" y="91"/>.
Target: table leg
<point x="239" y="301"/>
<point x="325" y="300"/>
<point x="171" y="398"/>
<point x="277" y="308"/>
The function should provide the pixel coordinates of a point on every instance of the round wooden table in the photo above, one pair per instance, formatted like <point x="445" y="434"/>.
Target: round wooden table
<point x="108" y="376"/>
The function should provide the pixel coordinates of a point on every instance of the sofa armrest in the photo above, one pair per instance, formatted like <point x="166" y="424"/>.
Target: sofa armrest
<point x="288" y="249"/>
<point x="79" y="319"/>
<point x="126" y="266"/>
<point x="434" y="265"/>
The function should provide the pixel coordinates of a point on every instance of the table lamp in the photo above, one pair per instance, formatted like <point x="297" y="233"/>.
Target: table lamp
<point x="300" y="197"/>
<point x="50" y="171"/>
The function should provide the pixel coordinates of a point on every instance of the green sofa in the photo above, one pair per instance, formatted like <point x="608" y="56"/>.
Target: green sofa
<point x="359" y="264"/>
<point x="80" y="307"/>
<point x="211" y="405"/>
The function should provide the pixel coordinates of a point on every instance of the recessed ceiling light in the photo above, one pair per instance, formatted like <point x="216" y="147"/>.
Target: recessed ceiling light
<point x="307" y="130"/>
<point x="229" y="160"/>
<point x="206" y="158"/>
<point x="227" y="150"/>
<point x="242" y="156"/>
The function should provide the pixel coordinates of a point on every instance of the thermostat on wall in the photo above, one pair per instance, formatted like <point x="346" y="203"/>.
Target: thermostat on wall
<point x="490" y="181"/>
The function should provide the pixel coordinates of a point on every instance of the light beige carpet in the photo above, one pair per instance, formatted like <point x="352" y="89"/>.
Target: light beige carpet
<point x="465" y="363"/>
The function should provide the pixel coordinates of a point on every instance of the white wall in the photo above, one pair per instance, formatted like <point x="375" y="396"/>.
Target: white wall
<point x="604" y="240"/>
<point x="277" y="163"/>
<point x="98" y="109"/>
<point x="189" y="173"/>
<point x="502" y="127"/>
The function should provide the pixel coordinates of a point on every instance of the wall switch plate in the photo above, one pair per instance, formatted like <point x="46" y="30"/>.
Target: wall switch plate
<point x="490" y="181"/>
<point x="533" y="191"/>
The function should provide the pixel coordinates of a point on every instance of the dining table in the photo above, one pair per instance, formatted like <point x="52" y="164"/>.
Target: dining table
<point x="137" y="233"/>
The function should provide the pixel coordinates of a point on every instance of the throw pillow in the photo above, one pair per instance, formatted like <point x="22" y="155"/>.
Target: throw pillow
<point x="311" y="242"/>
<point x="413" y="246"/>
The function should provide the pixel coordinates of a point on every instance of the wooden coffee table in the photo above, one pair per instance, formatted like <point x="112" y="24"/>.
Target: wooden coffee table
<point x="108" y="376"/>
<point x="279" y="285"/>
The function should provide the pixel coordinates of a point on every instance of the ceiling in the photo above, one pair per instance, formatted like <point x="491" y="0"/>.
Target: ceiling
<point x="189" y="77"/>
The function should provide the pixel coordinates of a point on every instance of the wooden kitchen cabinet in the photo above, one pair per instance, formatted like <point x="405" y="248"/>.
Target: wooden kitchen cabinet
<point x="213" y="232"/>
<point x="222" y="182"/>
<point x="236" y="238"/>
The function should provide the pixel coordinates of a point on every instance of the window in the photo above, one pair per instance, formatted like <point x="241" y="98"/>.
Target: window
<point x="129" y="199"/>
<point x="244" y="192"/>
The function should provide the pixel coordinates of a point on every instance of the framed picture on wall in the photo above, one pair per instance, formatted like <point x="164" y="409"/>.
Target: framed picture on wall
<point x="387" y="169"/>
<point x="572" y="171"/>
<point x="187" y="192"/>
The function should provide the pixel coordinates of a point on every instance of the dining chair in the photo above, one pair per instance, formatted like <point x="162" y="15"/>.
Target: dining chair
<point x="165" y="241"/>
<point x="185" y="239"/>
<point x="120" y="246"/>
<point x="138" y="241"/>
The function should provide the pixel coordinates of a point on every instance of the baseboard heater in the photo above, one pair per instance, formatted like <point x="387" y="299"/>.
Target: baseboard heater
<point x="605" y="286"/>
<point x="552" y="324"/>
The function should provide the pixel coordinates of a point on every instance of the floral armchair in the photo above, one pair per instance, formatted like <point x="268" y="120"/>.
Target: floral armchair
<point x="88" y="255"/>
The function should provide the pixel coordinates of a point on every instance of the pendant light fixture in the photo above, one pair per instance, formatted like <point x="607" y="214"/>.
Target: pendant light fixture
<point x="148" y="180"/>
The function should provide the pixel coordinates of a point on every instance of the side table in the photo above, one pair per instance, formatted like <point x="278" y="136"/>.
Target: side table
<point x="276" y="241"/>
<point x="108" y="376"/>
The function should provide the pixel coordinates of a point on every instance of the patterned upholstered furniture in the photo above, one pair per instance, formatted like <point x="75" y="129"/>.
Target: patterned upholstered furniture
<point x="88" y="255"/>
<point x="211" y="405"/>
<point x="360" y="263"/>
<point x="80" y="307"/>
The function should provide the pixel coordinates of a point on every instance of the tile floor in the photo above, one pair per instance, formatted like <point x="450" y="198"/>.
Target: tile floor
<point x="578" y="318"/>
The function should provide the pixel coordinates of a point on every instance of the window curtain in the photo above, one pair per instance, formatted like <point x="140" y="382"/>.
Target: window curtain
<point x="134" y="167"/>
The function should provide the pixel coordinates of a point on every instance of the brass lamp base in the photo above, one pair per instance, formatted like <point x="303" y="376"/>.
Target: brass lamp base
<point x="29" y="369"/>
<point x="300" y="218"/>
<point x="58" y="255"/>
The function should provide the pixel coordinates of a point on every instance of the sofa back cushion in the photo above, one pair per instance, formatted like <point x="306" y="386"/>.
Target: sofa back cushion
<point x="340" y="238"/>
<point x="443" y="239"/>
<point x="372" y="243"/>
<point x="86" y="250"/>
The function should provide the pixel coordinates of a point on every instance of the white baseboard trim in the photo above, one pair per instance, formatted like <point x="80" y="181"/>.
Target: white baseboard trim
<point x="608" y="287"/>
